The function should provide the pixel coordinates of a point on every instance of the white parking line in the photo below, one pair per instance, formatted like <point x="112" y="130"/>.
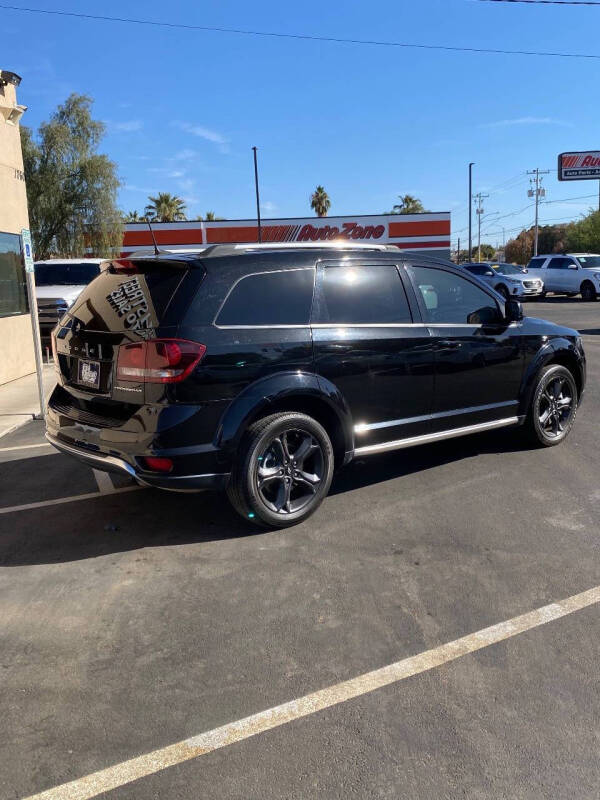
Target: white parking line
<point x="24" y="447"/>
<point x="105" y="485"/>
<point x="127" y="771"/>
<point x="61" y="500"/>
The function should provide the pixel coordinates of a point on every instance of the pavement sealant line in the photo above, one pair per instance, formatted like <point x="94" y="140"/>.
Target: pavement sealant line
<point x="142" y="766"/>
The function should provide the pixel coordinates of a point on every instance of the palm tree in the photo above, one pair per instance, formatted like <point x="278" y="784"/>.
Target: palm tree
<point x="320" y="202"/>
<point x="132" y="216"/>
<point x="408" y="205"/>
<point x="165" y="207"/>
<point x="210" y="216"/>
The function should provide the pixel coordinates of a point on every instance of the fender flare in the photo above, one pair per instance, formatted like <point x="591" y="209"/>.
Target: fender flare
<point x="256" y="399"/>
<point x="546" y="355"/>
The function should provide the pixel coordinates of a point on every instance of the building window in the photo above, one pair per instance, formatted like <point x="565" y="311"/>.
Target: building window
<point x="13" y="290"/>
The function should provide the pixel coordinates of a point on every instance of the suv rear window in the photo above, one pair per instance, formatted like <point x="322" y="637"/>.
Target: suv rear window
<point x="270" y="298"/>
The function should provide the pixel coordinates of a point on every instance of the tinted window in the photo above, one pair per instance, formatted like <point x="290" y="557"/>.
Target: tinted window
<point x="13" y="292"/>
<point x="66" y="274"/>
<point x="560" y="263"/>
<point x="536" y="263"/>
<point x="450" y="298"/>
<point x="270" y="298"/>
<point x="589" y="261"/>
<point x="361" y="295"/>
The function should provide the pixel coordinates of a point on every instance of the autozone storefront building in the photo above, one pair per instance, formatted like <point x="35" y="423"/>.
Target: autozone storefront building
<point x="424" y="233"/>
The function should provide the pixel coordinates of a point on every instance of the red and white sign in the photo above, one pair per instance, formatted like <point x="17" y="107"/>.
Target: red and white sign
<point x="580" y="166"/>
<point x="423" y="232"/>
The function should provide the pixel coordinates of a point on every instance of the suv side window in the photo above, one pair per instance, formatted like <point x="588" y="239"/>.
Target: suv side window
<point x="270" y="298"/>
<point x="361" y="295"/>
<point x="536" y="263"/>
<point x="449" y="298"/>
<point x="560" y="263"/>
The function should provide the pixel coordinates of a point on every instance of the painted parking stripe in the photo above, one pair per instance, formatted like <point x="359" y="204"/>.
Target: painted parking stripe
<point x="142" y="766"/>
<point x="105" y="485"/>
<point x="25" y="447"/>
<point x="61" y="500"/>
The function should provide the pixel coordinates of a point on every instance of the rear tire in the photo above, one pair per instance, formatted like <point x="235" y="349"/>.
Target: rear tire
<point x="588" y="292"/>
<point x="553" y="407"/>
<point x="283" y="470"/>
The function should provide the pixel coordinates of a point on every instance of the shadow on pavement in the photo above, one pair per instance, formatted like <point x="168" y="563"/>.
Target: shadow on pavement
<point x="151" y="518"/>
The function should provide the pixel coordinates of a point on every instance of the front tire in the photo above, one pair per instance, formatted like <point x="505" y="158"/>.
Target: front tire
<point x="553" y="406"/>
<point x="588" y="292"/>
<point x="283" y="470"/>
<point x="503" y="291"/>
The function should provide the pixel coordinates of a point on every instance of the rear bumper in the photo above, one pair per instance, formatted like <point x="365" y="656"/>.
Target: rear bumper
<point x="107" y="462"/>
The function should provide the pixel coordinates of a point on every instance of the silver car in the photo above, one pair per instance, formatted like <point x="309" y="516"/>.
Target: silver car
<point x="507" y="280"/>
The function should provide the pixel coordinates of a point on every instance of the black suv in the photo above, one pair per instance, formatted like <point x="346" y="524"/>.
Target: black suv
<point x="259" y="369"/>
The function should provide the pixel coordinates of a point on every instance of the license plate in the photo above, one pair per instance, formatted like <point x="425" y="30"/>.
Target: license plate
<point x="89" y="374"/>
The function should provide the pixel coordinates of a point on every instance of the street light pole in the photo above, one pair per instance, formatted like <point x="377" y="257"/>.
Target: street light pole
<point x="471" y="209"/>
<point x="257" y="196"/>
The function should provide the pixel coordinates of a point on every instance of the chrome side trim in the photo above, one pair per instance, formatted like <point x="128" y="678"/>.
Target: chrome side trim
<point x="399" y="444"/>
<point x="368" y="325"/>
<point x="391" y="423"/>
<point x="101" y="461"/>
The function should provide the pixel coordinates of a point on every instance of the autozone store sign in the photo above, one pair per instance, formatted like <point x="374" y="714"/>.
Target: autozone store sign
<point x="579" y="166"/>
<point x="429" y="232"/>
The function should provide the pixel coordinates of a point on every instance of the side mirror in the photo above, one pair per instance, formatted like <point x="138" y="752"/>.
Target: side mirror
<point x="513" y="311"/>
<point x="572" y="266"/>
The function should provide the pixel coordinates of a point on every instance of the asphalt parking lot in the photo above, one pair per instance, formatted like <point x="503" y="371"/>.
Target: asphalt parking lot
<point x="131" y="620"/>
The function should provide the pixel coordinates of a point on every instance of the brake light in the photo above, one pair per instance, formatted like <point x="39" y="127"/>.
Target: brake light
<point x="158" y="360"/>
<point x="123" y="265"/>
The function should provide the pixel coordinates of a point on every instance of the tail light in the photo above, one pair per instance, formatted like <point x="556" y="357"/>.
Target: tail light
<point x="158" y="360"/>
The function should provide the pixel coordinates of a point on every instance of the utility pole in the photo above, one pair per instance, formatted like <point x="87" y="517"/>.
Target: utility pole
<point x="537" y="193"/>
<point x="458" y="251"/>
<point x="257" y="196"/>
<point x="470" y="209"/>
<point x="479" y="211"/>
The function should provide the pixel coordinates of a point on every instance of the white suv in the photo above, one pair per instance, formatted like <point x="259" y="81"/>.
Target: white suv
<point x="570" y="274"/>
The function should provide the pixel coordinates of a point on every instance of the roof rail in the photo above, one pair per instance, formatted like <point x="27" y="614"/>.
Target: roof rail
<point x="339" y="244"/>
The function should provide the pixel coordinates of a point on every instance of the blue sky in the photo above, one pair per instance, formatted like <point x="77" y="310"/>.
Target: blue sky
<point x="183" y="108"/>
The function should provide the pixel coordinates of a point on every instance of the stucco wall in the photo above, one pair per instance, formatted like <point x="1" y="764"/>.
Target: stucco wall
<point x="16" y="348"/>
<point x="16" y="340"/>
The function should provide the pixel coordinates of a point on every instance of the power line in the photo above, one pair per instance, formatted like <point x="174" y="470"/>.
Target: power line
<point x="302" y="36"/>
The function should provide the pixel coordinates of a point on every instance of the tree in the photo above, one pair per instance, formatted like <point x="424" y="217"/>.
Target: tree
<point x="165" y="207"/>
<point x="584" y="236"/>
<point x="408" y="205"/>
<point x="210" y="216"/>
<point x="487" y="252"/>
<point x="320" y="202"/>
<point x="133" y="216"/>
<point x="71" y="188"/>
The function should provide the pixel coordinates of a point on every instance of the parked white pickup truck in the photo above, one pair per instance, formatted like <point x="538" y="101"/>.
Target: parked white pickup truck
<point x="571" y="274"/>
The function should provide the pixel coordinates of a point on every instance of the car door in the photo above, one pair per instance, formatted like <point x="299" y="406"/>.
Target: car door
<point x="479" y="356"/>
<point x="367" y="343"/>
<point x="560" y="277"/>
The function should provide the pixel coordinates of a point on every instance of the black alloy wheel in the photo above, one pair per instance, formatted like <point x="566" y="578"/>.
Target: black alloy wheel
<point x="503" y="291"/>
<point x="283" y="471"/>
<point x="554" y="406"/>
<point x="290" y="471"/>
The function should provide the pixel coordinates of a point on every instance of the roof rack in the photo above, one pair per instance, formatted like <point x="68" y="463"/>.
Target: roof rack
<point x="339" y="244"/>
